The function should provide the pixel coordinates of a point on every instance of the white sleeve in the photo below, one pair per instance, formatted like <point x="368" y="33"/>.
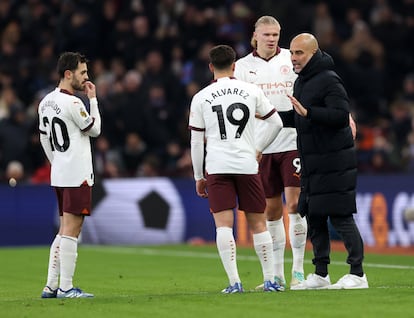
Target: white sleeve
<point x="197" y="153"/>
<point x="47" y="147"/>
<point x="274" y="126"/>
<point x="95" y="130"/>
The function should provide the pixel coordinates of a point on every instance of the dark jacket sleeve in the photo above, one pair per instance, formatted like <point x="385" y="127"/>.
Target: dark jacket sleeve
<point x="288" y="118"/>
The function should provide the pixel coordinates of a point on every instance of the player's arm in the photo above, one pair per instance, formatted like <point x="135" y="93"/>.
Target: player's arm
<point x="197" y="158"/>
<point x="93" y="130"/>
<point x="275" y="126"/>
<point x="267" y="112"/>
<point x="47" y="147"/>
<point x="197" y="153"/>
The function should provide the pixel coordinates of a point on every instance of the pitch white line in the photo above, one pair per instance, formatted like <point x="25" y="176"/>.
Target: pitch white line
<point x="156" y="252"/>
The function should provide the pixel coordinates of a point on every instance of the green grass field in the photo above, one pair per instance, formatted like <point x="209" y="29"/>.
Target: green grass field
<point x="184" y="281"/>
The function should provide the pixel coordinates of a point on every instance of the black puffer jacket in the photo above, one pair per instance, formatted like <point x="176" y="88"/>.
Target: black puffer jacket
<point x="325" y="143"/>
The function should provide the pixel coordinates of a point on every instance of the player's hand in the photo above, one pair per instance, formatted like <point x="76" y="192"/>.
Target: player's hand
<point x="201" y="188"/>
<point x="90" y="89"/>
<point x="258" y="156"/>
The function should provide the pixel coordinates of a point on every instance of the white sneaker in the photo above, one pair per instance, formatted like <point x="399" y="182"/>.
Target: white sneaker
<point x="350" y="281"/>
<point x="313" y="281"/>
<point x="297" y="279"/>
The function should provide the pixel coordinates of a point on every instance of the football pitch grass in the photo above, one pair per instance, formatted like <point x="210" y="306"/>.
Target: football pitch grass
<point x="185" y="281"/>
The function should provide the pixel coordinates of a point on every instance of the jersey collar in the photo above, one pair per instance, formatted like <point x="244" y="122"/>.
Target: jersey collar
<point x="257" y="54"/>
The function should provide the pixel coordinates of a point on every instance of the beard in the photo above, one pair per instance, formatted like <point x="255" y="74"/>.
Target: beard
<point x="76" y="85"/>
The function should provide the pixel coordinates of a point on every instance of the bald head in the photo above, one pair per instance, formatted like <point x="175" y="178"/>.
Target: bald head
<point x="302" y="48"/>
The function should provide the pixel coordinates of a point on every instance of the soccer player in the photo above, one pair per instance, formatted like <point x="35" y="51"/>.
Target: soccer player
<point x="222" y="117"/>
<point x="65" y="128"/>
<point x="270" y="68"/>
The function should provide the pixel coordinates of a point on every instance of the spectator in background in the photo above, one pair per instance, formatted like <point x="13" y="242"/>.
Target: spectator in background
<point x="15" y="171"/>
<point x="107" y="160"/>
<point x="365" y="58"/>
<point x="181" y="29"/>
<point x="133" y="154"/>
<point x="14" y="137"/>
<point x="195" y="70"/>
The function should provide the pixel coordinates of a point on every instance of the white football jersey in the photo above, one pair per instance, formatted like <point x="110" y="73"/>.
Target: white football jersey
<point x="276" y="78"/>
<point x="225" y="110"/>
<point x="63" y="117"/>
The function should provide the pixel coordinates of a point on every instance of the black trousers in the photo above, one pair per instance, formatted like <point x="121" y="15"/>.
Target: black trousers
<point x="348" y="231"/>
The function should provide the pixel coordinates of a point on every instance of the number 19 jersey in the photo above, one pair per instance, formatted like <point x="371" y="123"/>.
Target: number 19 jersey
<point x="63" y="118"/>
<point x="225" y="111"/>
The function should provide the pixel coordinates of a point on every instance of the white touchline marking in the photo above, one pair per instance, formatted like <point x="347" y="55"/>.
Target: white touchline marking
<point x="156" y="252"/>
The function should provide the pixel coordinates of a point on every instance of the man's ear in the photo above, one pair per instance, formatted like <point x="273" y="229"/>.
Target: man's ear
<point x="68" y="74"/>
<point x="211" y="67"/>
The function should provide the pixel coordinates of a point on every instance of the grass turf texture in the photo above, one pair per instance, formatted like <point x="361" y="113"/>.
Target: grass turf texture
<point x="185" y="281"/>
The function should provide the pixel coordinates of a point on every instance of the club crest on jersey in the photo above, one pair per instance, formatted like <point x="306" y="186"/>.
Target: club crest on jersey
<point x="83" y="113"/>
<point x="284" y="69"/>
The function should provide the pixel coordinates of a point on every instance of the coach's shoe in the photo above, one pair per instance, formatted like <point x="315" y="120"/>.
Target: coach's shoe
<point x="314" y="281"/>
<point x="49" y="292"/>
<point x="236" y="288"/>
<point x="268" y="286"/>
<point x="350" y="281"/>
<point x="280" y="281"/>
<point x="297" y="279"/>
<point x="73" y="293"/>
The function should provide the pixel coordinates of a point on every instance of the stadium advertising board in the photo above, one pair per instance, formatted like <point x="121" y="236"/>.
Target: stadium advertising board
<point x="167" y="211"/>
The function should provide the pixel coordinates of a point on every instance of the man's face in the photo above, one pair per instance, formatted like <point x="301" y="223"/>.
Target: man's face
<point x="301" y="53"/>
<point x="267" y="37"/>
<point x="80" y="76"/>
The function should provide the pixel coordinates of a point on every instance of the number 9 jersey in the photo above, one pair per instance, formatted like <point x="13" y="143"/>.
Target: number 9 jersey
<point x="65" y="127"/>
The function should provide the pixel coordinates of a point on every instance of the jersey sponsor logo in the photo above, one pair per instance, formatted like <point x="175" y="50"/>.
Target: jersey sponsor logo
<point x="267" y="86"/>
<point x="253" y="72"/>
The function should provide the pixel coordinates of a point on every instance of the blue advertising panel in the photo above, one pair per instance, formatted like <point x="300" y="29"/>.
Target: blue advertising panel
<point x="168" y="211"/>
<point x="28" y="215"/>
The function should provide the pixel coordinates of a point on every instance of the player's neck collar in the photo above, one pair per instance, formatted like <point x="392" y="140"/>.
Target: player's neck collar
<point x="65" y="91"/>
<point x="257" y="54"/>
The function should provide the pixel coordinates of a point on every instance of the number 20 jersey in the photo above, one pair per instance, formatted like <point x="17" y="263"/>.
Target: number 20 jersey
<point x="63" y="118"/>
<point x="225" y="110"/>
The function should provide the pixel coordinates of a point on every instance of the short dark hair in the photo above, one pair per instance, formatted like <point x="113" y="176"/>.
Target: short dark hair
<point x="222" y="56"/>
<point x="69" y="61"/>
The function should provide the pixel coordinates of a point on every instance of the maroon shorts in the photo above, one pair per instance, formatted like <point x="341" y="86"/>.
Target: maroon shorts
<point x="224" y="190"/>
<point x="278" y="171"/>
<point x="74" y="200"/>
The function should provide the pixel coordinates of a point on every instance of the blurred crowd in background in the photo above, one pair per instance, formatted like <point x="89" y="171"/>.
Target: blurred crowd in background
<point x="148" y="58"/>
